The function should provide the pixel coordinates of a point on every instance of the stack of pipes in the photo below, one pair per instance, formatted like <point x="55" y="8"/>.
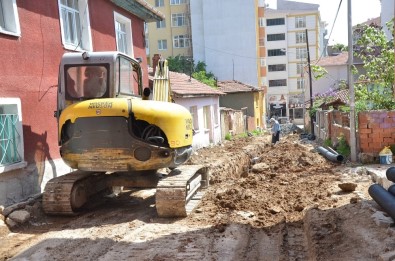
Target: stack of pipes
<point x="385" y="198"/>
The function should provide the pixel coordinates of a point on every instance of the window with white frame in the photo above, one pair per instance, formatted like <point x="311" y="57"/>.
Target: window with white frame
<point x="159" y="3"/>
<point x="300" y="37"/>
<point x="178" y="20"/>
<point x="9" y="19"/>
<point x="300" y="21"/>
<point x="162" y="44"/>
<point x="194" y="112"/>
<point x="261" y="22"/>
<point x="301" y="52"/>
<point x="300" y="69"/>
<point x="11" y="142"/>
<point x="300" y="84"/>
<point x="178" y="2"/>
<point x="181" y="41"/>
<point x="263" y="62"/>
<point x="74" y="21"/>
<point x="123" y="33"/>
<point x="161" y="24"/>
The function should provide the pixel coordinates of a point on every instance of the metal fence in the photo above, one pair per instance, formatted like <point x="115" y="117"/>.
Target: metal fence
<point x="10" y="139"/>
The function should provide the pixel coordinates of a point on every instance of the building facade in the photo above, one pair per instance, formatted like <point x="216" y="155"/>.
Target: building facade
<point x="33" y="37"/>
<point x="287" y="30"/>
<point x="172" y="35"/>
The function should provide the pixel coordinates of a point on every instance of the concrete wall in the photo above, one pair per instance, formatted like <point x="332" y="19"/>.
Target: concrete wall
<point x="29" y="71"/>
<point x="224" y="37"/>
<point x="232" y="122"/>
<point x="237" y="101"/>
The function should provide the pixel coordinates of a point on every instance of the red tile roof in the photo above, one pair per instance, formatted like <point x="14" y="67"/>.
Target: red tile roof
<point x="236" y="86"/>
<point x="340" y="59"/>
<point x="184" y="86"/>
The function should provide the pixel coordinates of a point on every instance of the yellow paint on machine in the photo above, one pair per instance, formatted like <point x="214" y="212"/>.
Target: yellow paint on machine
<point x="173" y="119"/>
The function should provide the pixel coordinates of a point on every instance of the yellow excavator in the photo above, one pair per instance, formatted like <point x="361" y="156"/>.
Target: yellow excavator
<point x="112" y="133"/>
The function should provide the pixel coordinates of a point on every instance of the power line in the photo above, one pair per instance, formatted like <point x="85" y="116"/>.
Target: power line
<point x="333" y="25"/>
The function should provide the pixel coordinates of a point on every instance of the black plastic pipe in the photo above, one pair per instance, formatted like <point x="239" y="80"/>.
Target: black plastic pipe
<point x="330" y="155"/>
<point x="391" y="190"/>
<point x="391" y="174"/>
<point x="385" y="199"/>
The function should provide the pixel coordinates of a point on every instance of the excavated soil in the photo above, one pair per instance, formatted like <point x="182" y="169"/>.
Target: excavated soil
<point x="264" y="202"/>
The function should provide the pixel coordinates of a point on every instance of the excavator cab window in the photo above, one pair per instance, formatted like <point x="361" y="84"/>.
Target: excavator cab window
<point x="86" y="82"/>
<point x="128" y="77"/>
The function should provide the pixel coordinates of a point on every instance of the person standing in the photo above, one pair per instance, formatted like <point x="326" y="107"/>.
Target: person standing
<point x="275" y="130"/>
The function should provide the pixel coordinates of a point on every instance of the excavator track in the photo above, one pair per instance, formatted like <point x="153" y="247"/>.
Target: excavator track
<point x="179" y="192"/>
<point x="64" y="195"/>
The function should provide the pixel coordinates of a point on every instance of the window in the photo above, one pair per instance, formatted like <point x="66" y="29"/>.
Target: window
<point x="178" y="2"/>
<point x="277" y="83"/>
<point x="161" y="24"/>
<point x="123" y="31"/>
<point x="159" y="3"/>
<point x="275" y="21"/>
<point x="300" y="69"/>
<point x="181" y="41"/>
<point x="261" y="41"/>
<point x="263" y="62"/>
<point x="162" y="44"/>
<point x="11" y="142"/>
<point x="9" y="19"/>
<point x="207" y="117"/>
<point x="300" y="21"/>
<point x="300" y="37"/>
<point x="277" y="67"/>
<point x="261" y="22"/>
<point x="301" y="53"/>
<point x="178" y="20"/>
<point x="275" y="52"/>
<point x="275" y="37"/>
<point x="128" y="77"/>
<point x="194" y="112"/>
<point x="300" y="84"/>
<point x="74" y="22"/>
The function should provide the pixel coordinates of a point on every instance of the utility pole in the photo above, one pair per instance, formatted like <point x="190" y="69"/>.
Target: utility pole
<point x="311" y="86"/>
<point x="353" y="144"/>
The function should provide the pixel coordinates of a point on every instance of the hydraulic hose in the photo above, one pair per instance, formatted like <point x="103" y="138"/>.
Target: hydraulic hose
<point x="330" y="155"/>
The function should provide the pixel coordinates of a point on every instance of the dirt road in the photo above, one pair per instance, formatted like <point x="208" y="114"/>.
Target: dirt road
<point x="265" y="202"/>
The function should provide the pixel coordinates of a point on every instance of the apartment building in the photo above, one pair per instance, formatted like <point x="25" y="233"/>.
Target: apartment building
<point x="287" y="30"/>
<point x="172" y="35"/>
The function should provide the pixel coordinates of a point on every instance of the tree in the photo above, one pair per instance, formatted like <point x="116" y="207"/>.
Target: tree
<point x="340" y="47"/>
<point x="374" y="89"/>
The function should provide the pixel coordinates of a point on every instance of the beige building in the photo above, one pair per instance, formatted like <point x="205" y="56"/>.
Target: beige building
<point x="172" y="36"/>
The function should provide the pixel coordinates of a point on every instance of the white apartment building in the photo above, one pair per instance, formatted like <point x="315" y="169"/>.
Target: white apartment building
<point x="387" y="13"/>
<point x="287" y="29"/>
<point x="224" y="34"/>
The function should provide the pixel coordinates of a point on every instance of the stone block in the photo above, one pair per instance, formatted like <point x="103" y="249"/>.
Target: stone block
<point x="19" y="216"/>
<point x="382" y="219"/>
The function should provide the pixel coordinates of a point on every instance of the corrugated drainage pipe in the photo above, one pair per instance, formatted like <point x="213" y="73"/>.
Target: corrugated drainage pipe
<point x="391" y="174"/>
<point x="385" y="199"/>
<point x="330" y="155"/>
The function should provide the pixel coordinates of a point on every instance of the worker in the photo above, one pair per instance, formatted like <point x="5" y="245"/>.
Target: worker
<point x="95" y="81"/>
<point x="275" y="130"/>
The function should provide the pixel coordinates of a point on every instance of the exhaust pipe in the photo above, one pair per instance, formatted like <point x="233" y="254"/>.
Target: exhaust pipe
<point x="330" y="155"/>
<point x="385" y="199"/>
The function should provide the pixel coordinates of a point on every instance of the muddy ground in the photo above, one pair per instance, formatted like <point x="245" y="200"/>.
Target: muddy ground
<point x="264" y="202"/>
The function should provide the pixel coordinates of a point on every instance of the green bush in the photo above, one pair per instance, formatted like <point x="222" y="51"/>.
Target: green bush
<point x="228" y="136"/>
<point x="342" y="147"/>
<point x="328" y="143"/>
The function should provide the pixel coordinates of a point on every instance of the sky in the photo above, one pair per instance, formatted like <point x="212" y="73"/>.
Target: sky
<point x="361" y="10"/>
